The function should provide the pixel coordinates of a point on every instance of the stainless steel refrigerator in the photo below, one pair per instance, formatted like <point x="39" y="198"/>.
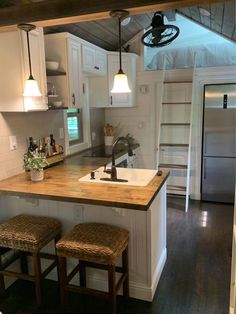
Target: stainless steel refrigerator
<point x="219" y="143"/>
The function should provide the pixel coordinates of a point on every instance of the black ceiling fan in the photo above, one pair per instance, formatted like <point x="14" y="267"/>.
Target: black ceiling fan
<point x="160" y="34"/>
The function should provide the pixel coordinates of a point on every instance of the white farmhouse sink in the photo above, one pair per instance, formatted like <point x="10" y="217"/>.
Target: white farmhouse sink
<point x="138" y="177"/>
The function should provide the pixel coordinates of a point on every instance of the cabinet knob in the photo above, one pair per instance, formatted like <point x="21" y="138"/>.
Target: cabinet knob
<point x="96" y="67"/>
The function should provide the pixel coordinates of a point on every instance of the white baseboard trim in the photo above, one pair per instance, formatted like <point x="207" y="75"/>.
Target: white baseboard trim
<point x="146" y="293"/>
<point x="231" y="310"/>
<point x="158" y="272"/>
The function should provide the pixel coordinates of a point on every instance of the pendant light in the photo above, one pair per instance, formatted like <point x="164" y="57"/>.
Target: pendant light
<point x="120" y="80"/>
<point x="31" y="88"/>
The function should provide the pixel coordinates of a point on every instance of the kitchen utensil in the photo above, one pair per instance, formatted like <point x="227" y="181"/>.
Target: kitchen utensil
<point x="109" y="130"/>
<point x="52" y="65"/>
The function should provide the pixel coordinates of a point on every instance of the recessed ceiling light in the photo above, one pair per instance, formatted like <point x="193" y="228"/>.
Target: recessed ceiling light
<point x="204" y="12"/>
<point x="125" y="21"/>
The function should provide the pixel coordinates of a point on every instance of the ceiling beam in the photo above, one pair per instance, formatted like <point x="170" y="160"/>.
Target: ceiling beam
<point x="59" y="12"/>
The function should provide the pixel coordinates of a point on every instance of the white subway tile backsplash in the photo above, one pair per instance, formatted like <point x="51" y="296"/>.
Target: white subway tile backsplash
<point x="137" y="122"/>
<point x="23" y="125"/>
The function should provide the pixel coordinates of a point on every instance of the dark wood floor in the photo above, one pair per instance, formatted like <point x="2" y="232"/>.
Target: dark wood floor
<point x="195" y="279"/>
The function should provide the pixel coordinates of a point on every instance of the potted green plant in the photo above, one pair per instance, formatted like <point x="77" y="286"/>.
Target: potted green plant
<point x="35" y="162"/>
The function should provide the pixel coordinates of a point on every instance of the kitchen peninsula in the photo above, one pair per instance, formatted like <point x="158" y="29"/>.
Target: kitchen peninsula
<point x="139" y="209"/>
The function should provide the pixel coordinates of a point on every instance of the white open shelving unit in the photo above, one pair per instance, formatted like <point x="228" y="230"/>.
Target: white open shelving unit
<point x="175" y="134"/>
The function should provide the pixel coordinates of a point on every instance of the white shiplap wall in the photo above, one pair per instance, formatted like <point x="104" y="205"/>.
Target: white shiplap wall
<point x="139" y="121"/>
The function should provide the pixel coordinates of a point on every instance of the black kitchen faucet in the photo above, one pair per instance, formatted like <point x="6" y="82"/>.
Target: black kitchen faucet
<point x="113" y="170"/>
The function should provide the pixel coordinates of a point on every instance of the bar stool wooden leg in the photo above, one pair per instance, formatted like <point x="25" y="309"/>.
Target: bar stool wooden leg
<point x="112" y="289"/>
<point x="125" y="263"/>
<point x="62" y="278"/>
<point x="37" y="272"/>
<point x="56" y="239"/>
<point x="2" y="283"/>
<point x="82" y="269"/>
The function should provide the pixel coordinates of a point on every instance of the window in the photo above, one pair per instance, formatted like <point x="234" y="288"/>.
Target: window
<point x="74" y="125"/>
<point x="77" y="127"/>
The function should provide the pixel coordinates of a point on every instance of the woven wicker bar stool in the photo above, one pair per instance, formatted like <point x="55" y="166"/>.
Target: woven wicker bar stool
<point x="98" y="246"/>
<point x="27" y="235"/>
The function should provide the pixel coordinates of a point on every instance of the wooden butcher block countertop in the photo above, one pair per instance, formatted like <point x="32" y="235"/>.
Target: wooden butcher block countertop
<point x="61" y="184"/>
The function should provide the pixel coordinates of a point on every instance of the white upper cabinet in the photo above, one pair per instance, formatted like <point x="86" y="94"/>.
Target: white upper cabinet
<point x="14" y="65"/>
<point x="129" y="61"/>
<point x="66" y="49"/>
<point x="94" y="60"/>
<point x="75" y="73"/>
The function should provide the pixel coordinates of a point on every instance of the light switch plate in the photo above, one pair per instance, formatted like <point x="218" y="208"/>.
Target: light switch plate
<point x="78" y="213"/>
<point x="61" y="133"/>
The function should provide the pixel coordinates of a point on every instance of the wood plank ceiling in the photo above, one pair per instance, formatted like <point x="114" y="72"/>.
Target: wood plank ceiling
<point x="104" y="33"/>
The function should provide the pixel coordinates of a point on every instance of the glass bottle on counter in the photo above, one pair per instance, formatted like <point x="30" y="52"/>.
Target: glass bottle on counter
<point x="53" y="143"/>
<point x="41" y="148"/>
<point x="32" y="145"/>
<point x="48" y="147"/>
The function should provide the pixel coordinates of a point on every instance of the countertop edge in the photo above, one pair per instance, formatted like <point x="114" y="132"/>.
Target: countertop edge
<point x="88" y="201"/>
<point x="158" y="190"/>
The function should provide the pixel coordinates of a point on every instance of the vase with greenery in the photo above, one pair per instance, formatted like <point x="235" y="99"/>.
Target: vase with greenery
<point x="35" y="162"/>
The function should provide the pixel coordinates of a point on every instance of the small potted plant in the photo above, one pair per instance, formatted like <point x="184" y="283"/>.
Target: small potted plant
<point x="35" y="162"/>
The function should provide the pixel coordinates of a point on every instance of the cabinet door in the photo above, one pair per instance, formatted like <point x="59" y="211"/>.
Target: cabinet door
<point x="75" y="74"/>
<point x="88" y="56"/>
<point x="11" y="83"/>
<point x="94" y="61"/>
<point x="97" y="91"/>
<point x="129" y="68"/>
<point x="14" y="65"/>
<point x="38" y="66"/>
<point x="100" y="64"/>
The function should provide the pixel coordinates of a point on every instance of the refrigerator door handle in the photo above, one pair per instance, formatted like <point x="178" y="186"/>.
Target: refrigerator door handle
<point x="204" y="148"/>
<point x="204" y="169"/>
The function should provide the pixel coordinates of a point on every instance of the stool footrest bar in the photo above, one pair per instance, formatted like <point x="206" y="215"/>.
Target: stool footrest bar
<point x="49" y="269"/>
<point x="72" y="273"/>
<point x="120" y="282"/>
<point x="18" y="275"/>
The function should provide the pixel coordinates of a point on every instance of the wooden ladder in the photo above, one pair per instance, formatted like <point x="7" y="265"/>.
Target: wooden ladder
<point x="175" y="136"/>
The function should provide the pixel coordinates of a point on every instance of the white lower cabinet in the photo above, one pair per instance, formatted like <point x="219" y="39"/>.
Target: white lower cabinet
<point x="14" y="65"/>
<point x="147" y="244"/>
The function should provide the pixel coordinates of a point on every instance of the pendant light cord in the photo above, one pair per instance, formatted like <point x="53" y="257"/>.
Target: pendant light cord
<point x="27" y="34"/>
<point x="119" y="19"/>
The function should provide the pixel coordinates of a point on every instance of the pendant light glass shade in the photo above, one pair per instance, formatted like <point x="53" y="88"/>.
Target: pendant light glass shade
<point x="120" y="84"/>
<point x="31" y="88"/>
